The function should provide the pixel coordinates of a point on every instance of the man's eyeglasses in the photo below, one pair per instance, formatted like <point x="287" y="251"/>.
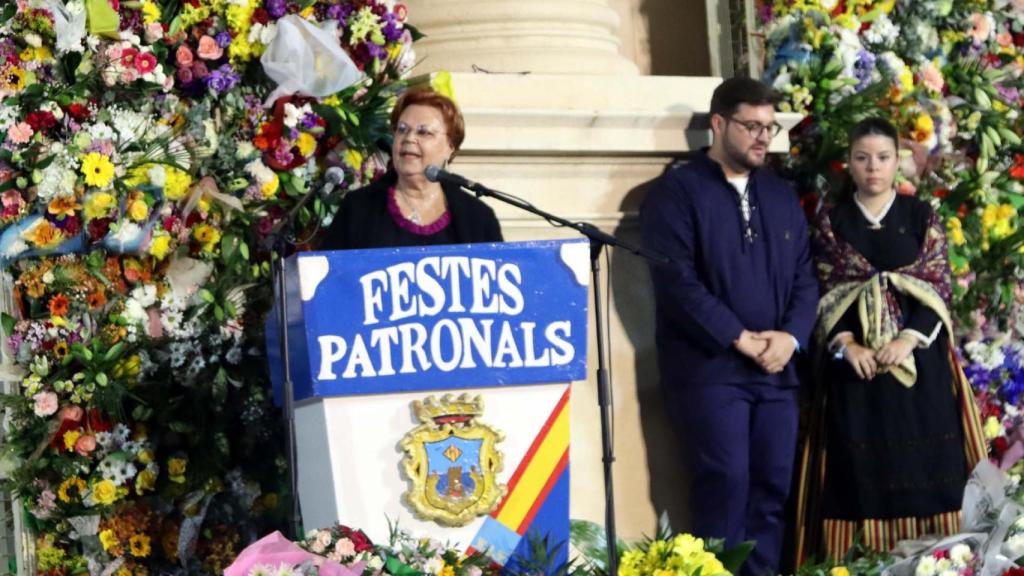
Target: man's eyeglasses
<point x="403" y="130"/>
<point x="756" y="129"/>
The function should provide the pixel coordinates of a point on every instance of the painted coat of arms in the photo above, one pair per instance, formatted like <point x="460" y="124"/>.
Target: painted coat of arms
<point x="451" y="461"/>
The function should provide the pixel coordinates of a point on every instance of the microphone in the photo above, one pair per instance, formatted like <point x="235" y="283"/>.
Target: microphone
<point x="333" y="176"/>
<point x="438" y="174"/>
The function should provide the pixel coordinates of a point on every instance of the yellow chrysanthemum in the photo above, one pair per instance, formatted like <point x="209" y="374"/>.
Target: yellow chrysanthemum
<point x="354" y="158"/>
<point x="992" y="427"/>
<point x="1006" y="211"/>
<point x="108" y="539"/>
<point x="160" y="245"/>
<point x="206" y="235"/>
<point x="98" y="205"/>
<point x="923" y="129"/>
<point x="150" y="12"/>
<point x="138" y="545"/>
<point x="839" y="571"/>
<point x="70" y="437"/>
<point x="270" y="188"/>
<point x="989" y="216"/>
<point x="177" y="183"/>
<point x="306" y="144"/>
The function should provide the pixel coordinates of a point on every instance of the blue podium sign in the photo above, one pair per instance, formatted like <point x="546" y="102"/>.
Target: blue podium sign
<point x="429" y="318"/>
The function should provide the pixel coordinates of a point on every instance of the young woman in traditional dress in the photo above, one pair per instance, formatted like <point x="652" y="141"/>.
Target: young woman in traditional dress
<point x="892" y="411"/>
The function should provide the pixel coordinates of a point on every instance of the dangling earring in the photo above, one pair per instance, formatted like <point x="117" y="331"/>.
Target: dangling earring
<point x="445" y="166"/>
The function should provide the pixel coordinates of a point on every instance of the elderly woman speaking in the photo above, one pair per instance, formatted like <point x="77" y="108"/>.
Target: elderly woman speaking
<point x="403" y="208"/>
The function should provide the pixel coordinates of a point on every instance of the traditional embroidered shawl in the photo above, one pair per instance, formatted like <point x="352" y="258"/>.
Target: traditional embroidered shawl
<point x="848" y="279"/>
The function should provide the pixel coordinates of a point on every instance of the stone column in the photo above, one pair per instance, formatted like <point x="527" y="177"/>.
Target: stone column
<point x="513" y="36"/>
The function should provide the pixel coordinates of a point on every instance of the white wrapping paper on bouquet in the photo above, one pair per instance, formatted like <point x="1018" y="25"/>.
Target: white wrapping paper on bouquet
<point x="986" y="518"/>
<point x="307" y="59"/>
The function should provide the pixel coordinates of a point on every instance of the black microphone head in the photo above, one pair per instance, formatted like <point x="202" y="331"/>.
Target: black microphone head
<point x="433" y="173"/>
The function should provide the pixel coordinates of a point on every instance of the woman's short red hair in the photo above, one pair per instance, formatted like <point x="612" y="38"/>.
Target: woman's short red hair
<point x="454" y="126"/>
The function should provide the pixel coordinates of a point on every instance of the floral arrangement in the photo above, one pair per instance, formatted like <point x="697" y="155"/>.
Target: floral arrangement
<point x="682" y="554"/>
<point x="948" y="74"/>
<point x="959" y="560"/>
<point x="340" y="544"/>
<point x="996" y="371"/>
<point x="344" y="551"/>
<point x="147" y="148"/>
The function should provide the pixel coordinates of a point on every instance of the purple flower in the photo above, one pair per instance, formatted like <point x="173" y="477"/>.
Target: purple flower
<point x="1008" y="94"/>
<point x="375" y="51"/>
<point x="276" y="8"/>
<point x="392" y="30"/>
<point x="223" y="39"/>
<point x="283" y="154"/>
<point x="335" y="12"/>
<point x="863" y="68"/>
<point x="222" y="79"/>
<point x="309" y="121"/>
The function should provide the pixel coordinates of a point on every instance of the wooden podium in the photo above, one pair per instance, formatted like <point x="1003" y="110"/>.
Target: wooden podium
<point x="432" y="389"/>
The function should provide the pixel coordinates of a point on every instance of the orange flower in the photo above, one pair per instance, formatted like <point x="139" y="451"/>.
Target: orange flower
<point x="63" y="206"/>
<point x="96" y="300"/>
<point x="44" y="234"/>
<point x="59" y="305"/>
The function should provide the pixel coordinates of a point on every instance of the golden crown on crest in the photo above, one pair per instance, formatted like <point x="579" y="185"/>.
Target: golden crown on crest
<point x="449" y="406"/>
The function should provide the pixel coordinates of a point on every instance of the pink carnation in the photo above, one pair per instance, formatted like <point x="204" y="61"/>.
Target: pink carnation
<point x="46" y="404"/>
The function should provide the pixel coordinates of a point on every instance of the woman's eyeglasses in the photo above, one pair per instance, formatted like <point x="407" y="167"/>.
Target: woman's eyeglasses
<point x="422" y="131"/>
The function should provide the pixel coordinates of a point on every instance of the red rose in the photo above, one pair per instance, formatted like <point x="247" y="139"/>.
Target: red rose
<point x="261" y="16"/>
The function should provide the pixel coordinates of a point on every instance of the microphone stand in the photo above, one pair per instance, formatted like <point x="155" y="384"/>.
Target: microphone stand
<point x="598" y="240"/>
<point x="281" y="235"/>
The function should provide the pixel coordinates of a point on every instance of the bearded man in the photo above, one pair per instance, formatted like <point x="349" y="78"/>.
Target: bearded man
<point x="736" y="300"/>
